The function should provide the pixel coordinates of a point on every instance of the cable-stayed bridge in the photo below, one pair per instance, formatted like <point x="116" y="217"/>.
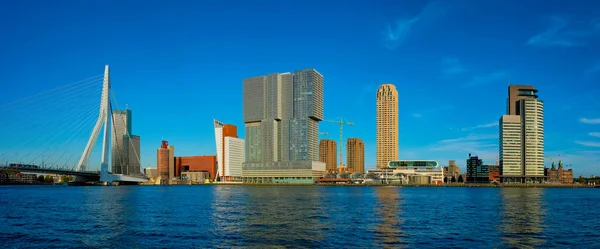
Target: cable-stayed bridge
<point x="46" y="133"/>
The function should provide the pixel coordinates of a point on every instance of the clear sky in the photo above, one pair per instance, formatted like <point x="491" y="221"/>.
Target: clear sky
<point x="179" y="64"/>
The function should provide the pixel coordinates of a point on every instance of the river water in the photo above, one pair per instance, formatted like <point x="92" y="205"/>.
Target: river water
<point x="208" y="216"/>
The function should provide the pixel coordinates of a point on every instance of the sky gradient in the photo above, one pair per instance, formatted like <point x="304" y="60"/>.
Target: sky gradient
<point x="179" y="64"/>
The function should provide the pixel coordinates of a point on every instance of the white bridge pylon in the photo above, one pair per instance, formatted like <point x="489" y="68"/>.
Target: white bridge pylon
<point x="104" y="119"/>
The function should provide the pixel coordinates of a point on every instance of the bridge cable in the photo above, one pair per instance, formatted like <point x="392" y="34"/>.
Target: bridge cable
<point x="37" y="122"/>
<point x="50" y="91"/>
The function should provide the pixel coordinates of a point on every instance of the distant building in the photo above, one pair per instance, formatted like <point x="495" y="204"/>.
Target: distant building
<point x="328" y="154"/>
<point x="195" y="176"/>
<point x="125" y="145"/>
<point x="522" y="137"/>
<point x="451" y="171"/>
<point x="196" y="164"/>
<point x="409" y="172"/>
<point x="165" y="163"/>
<point x="131" y="145"/>
<point x="230" y="151"/>
<point x="476" y="171"/>
<point x="355" y="152"/>
<point x="494" y="173"/>
<point x="559" y="175"/>
<point x="121" y="128"/>
<point x="387" y="125"/>
<point x="151" y="173"/>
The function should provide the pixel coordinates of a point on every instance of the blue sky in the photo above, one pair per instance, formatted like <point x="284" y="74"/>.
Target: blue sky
<point x="179" y="64"/>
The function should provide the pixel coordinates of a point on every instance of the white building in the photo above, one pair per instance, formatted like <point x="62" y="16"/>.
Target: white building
<point x="234" y="156"/>
<point x="230" y="151"/>
<point x="410" y="172"/>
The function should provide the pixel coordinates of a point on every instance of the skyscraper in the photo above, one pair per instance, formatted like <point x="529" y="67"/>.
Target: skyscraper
<point x="281" y="115"/>
<point x="355" y="155"/>
<point x="131" y="145"/>
<point x="230" y="150"/>
<point x="522" y="137"/>
<point x="122" y="127"/>
<point x="125" y="145"/>
<point x="328" y="154"/>
<point x="387" y="125"/>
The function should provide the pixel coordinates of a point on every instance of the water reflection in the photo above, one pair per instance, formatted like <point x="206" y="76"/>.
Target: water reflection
<point x="388" y="230"/>
<point x="522" y="217"/>
<point x="273" y="217"/>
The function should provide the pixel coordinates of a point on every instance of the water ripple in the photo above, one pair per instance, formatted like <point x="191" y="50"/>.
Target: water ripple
<point x="297" y="217"/>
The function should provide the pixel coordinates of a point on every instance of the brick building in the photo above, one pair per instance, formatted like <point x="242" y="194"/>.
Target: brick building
<point x="196" y="164"/>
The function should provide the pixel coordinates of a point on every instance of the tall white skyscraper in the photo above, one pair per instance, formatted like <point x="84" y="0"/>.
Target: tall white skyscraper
<point x="522" y="137"/>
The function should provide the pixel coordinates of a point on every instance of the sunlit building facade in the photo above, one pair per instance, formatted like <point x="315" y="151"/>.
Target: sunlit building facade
<point x="328" y="154"/>
<point x="281" y="115"/>
<point x="521" y="140"/>
<point x="355" y="152"/>
<point x="387" y="125"/>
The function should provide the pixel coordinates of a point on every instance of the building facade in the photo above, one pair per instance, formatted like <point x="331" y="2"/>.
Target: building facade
<point x="131" y="145"/>
<point x="559" y="175"/>
<point x="164" y="162"/>
<point x="125" y="145"/>
<point x="387" y="125"/>
<point x="522" y="137"/>
<point x="206" y="164"/>
<point x="234" y="157"/>
<point x="328" y="154"/>
<point x="408" y="172"/>
<point x="151" y="173"/>
<point x="451" y="171"/>
<point x="230" y="151"/>
<point x="477" y="172"/>
<point x="494" y="173"/>
<point x="281" y="114"/>
<point x="121" y="129"/>
<point x="355" y="153"/>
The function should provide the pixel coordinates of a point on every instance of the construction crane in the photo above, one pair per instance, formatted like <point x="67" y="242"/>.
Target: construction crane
<point x="341" y="122"/>
<point x="323" y="133"/>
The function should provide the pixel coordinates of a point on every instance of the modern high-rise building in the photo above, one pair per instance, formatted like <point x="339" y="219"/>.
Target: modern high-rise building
<point x="230" y="151"/>
<point x="125" y="145"/>
<point x="387" y="125"/>
<point x="131" y="145"/>
<point x="522" y="137"/>
<point x="122" y="128"/>
<point x="281" y="114"/>
<point x="355" y="153"/>
<point x="328" y="154"/>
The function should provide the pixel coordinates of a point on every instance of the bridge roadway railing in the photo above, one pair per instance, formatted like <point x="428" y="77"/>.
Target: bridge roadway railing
<point x="52" y="171"/>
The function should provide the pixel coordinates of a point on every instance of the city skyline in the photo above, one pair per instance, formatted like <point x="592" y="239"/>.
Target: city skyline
<point x="442" y="72"/>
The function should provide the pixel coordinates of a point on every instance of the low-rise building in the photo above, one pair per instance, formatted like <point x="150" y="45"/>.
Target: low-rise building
<point x="196" y="164"/>
<point x="494" y="173"/>
<point x="451" y="171"/>
<point x="476" y="171"/>
<point x="151" y="172"/>
<point x="559" y="175"/>
<point x="195" y="176"/>
<point x="409" y="172"/>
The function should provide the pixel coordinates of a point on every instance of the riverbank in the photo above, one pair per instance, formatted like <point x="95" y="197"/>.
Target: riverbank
<point x="419" y="185"/>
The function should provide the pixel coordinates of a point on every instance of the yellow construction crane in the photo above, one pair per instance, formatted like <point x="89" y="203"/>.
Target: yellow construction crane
<point x="341" y="122"/>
